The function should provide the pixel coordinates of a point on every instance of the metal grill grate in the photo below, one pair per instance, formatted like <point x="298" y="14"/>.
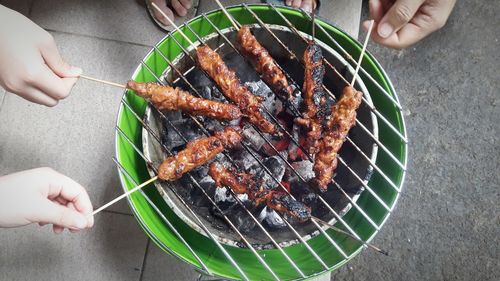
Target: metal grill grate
<point x="332" y="240"/>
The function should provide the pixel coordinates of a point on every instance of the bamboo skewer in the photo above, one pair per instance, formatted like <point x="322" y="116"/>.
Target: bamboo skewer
<point x="362" y="52"/>
<point x="125" y="195"/>
<point x="104" y="81"/>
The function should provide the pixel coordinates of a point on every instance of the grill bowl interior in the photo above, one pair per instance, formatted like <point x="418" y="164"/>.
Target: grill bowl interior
<point x="204" y="247"/>
<point x="153" y="151"/>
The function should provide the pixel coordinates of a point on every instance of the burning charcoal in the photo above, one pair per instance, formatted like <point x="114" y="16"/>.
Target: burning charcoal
<point x="294" y="152"/>
<point x="277" y="168"/>
<point x="241" y="219"/>
<point x="260" y="89"/>
<point x="253" y="137"/>
<point x="222" y="194"/>
<point x="246" y="161"/>
<point x="304" y="169"/>
<point x="196" y="196"/>
<point x="186" y="127"/>
<point x="205" y="92"/>
<point x="271" y="218"/>
<point x="244" y="70"/>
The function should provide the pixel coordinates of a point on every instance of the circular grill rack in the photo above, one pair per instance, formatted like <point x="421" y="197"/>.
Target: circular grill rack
<point x="322" y="253"/>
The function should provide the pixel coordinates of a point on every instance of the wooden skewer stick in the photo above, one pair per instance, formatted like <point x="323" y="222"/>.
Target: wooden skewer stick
<point x="352" y="236"/>
<point x="236" y="26"/>
<point x="125" y="194"/>
<point x="104" y="81"/>
<point x="172" y="23"/>
<point x="362" y="52"/>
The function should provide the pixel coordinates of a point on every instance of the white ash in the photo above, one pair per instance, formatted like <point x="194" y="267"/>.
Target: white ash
<point x="247" y="161"/>
<point x="277" y="168"/>
<point x="304" y="169"/>
<point x="271" y="217"/>
<point x="259" y="88"/>
<point x="253" y="137"/>
<point x="222" y="195"/>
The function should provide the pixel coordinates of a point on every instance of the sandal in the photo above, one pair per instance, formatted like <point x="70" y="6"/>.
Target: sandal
<point x="178" y="20"/>
<point x="282" y="3"/>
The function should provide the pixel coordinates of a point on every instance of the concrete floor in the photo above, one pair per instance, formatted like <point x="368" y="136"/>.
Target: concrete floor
<point x="445" y="227"/>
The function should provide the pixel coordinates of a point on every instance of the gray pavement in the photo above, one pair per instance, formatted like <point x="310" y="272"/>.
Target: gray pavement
<point x="445" y="227"/>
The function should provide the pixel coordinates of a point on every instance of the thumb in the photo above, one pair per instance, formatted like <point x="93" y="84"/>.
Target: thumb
<point x="62" y="215"/>
<point x="400" y="13"/>
<point x="53" y="59"/>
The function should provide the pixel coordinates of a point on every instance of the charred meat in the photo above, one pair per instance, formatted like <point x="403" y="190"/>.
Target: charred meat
<point x="197" y="153"/>
<point x="243" y="183"/>
<point x="232" y="88"/>
<point x="264" y="63"/>
<point x="170" y="98"/>
<point x="314" y="97"/>
<point x="342" y="120"/>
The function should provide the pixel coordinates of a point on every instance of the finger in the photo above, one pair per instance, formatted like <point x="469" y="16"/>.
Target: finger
<point x="288" y="2"/>
<point x="42" y="224"/>
<point x="53" y="59"/>
<point x="37" y="96"/>
<point x="187" y="3"/>
<point x="398" y="15"/>
<point x="178" y="7"/>
<point x="407" y="36"/>
<point x="52" y="85"/>
<point x="376" y="10"/>
<point x="57" y="229"/>
<point x="62" y="216"/>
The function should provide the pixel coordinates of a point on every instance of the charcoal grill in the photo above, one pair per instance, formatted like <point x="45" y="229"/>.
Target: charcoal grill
<point x="176" y="226"/>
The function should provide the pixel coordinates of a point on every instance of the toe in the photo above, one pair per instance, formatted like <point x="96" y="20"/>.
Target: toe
<point x="159" y="16"/>
<point x="187" y="4"/>
<point x="179" y="8"/>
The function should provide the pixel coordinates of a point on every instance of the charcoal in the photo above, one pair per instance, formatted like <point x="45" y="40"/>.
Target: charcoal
<point x="196" y="196"/>
<point x="270" y="102"/>
<point x="245" y="72"/>
<point x="252" y="136"/>
<point x="271" y="218"/>
<point x="241" y="219"/>
<point x="304" y="169"/>
<point x="222" y="194"/>
<point x="277" y="168"/>
<point x="186" y="127"/>
<point x="246" y="161"/>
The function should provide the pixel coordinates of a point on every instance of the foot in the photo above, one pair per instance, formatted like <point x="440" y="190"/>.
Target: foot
<point x="306" y="5"/>
<point x="179" y="7"/>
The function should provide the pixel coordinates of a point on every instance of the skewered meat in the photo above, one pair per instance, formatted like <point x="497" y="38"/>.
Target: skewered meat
<point x="342" y="120"/>
<point x="232" y="88"/>
<point x="264" y="63"/>
<point x="314" y="97"/>
<point x="169" y="98"/>
<point x="243" y="183"/>
<point x="197" y="153"/>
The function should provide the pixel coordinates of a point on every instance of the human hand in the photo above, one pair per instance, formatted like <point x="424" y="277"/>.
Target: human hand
<point x="30" y="64"/>
<point x="44" y="196"/>
<point x="402" y="23"/>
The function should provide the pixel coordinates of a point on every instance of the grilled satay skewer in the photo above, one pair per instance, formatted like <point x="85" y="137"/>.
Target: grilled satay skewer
<point x="197" y="153"/>
<point x="342" y="120"/>
<point x="226" y="79"/>
<point x="170" y="98"/>
<point x="250" y="104"/>
<point x="243" y="183"/>
<point x="314" y="97"/>
<point x="264" y="64"/>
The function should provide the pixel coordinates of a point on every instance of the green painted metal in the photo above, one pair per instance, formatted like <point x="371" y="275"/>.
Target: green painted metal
<point x="217" y="263"/>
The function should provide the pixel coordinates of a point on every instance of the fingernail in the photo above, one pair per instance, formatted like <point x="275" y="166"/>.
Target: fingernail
<point x="75" y="71"/>
<point x="385" y="30"/>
